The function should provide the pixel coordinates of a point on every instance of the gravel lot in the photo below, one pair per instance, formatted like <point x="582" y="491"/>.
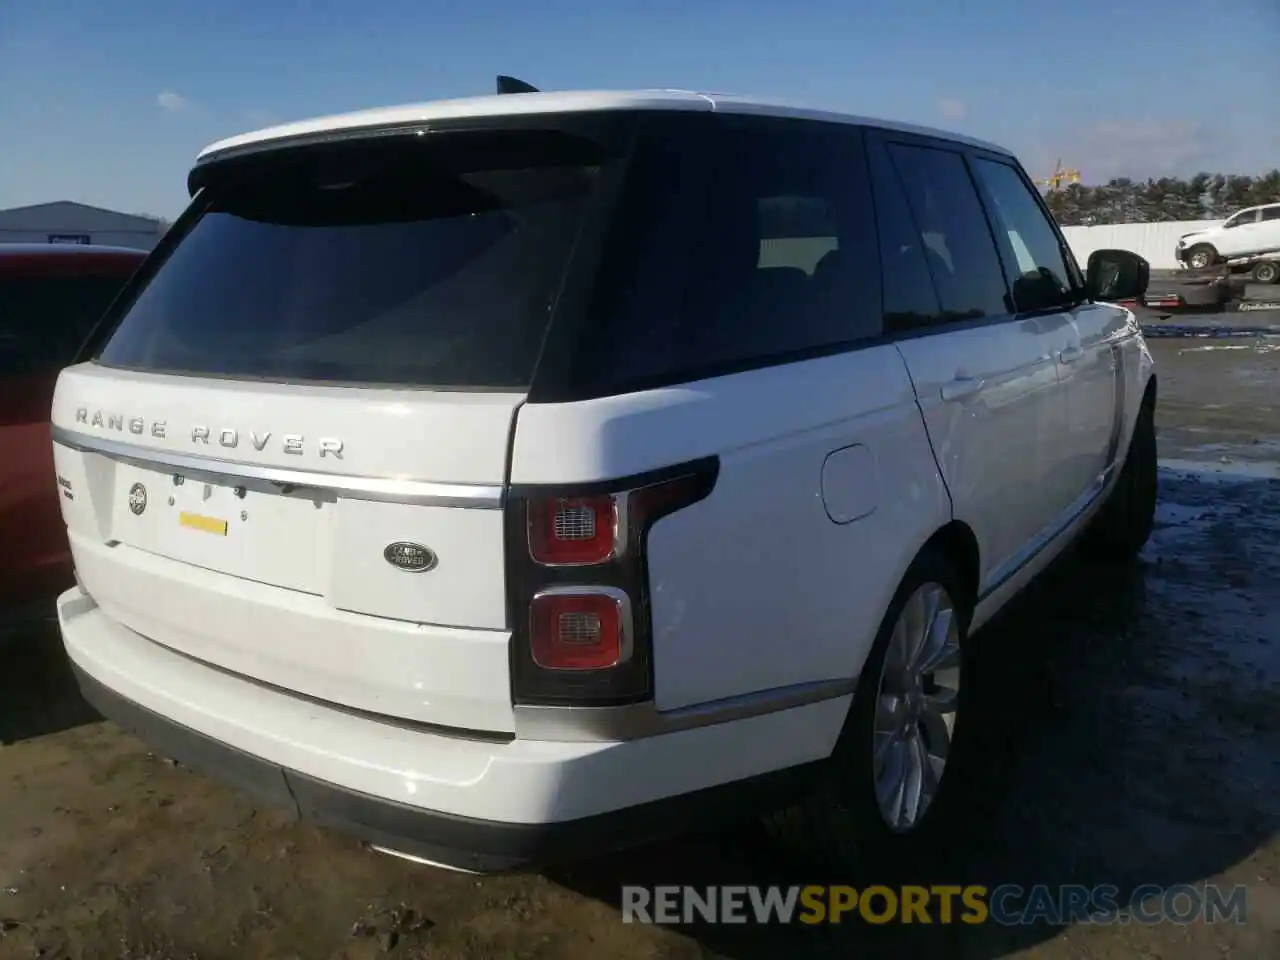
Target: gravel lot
<point x="1132" y="730"/>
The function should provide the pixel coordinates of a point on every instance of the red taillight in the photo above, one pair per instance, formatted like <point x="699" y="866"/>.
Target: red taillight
<point x="574" y="531"/>
<point x="580" y="629"/>
<point x="577" y="583"/>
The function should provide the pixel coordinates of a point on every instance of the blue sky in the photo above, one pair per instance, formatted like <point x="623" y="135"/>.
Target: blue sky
<point x="108" y="102"/>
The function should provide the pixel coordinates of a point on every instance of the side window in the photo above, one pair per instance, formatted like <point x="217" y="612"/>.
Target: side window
<point x="909" y="297"/>
<point x="958" y="247"/>
<point x="1240" y="219"/>
<point x="787" y="261"/>
<point x="750" y="242"/>
<point x="43" y="320"/>
<point x="1271" y="213"/>
<point x="796" y="231"/>
<point x="1038" y="273"/>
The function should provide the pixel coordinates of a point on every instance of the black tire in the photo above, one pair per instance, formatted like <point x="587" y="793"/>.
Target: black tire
<point x="1200" y="256"/>
<point x="1266" y="271"/>
<point x="840" y="824"/>
<point x="1123" y="525"/>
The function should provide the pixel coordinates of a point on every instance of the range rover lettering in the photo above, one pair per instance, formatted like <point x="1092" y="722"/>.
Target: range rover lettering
<point x="710" y="429"/>
<point x="292" y="443"/>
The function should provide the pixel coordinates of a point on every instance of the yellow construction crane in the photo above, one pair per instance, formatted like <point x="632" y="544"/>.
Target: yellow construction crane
<point x="1060" y="173"/>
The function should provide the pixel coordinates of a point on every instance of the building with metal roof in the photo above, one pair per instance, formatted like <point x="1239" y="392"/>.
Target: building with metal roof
<point x="65" y="221"/>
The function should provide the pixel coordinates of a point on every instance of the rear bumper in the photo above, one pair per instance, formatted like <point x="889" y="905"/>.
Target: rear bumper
<point x="480" y="846"/>
<point x="467" y="804"/>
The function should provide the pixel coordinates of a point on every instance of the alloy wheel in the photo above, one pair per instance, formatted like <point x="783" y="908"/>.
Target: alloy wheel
<point x="916" y="707"/>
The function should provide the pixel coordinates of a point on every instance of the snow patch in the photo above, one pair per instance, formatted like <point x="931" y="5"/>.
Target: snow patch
<point x="1237" y="471"/>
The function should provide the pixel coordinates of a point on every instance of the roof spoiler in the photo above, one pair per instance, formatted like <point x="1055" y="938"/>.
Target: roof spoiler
<point x="512" y="85"/>
<point x="198" y="174"/>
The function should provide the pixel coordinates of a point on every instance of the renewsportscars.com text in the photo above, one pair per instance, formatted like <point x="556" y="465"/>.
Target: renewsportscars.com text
<point x="1008" y="904"/>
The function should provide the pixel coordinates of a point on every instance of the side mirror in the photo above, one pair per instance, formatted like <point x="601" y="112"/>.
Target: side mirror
<point x="1113" y="275"/>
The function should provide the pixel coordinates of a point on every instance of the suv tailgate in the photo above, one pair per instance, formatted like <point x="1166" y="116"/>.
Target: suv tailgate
<point x="273" y="564"/>
<point x="286" y="457"/>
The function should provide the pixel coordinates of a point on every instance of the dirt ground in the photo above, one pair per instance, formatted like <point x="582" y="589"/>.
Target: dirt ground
<point x="1131" y="728"/>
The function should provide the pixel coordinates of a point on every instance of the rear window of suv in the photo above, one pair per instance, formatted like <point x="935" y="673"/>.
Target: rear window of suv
<point x="431" y="261"/>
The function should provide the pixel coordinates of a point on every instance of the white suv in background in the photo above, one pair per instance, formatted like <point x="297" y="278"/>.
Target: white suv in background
<point x="1254" y="230"/>
<point x="508" y="479"/>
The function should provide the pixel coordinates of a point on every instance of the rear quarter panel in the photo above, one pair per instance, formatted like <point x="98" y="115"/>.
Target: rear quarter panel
<point x="757" y="587"/>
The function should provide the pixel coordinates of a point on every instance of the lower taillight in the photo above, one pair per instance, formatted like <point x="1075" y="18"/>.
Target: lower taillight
<point x="580" y="628"/>
<point x="578" y="585"/>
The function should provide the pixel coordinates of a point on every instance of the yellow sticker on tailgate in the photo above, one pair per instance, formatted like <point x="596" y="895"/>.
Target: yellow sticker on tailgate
<point x="195" y="521"/>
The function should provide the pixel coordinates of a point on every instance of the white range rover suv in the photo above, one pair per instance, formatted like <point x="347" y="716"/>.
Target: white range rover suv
<point x="507" y="479"/>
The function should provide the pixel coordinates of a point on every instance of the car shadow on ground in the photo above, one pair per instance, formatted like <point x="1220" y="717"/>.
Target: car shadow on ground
<point x="1128" y="737"/>
<point x="38" y="694"/>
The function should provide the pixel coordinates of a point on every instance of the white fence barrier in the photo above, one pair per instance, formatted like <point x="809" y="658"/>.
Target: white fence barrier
<point x="1154" y="241"/>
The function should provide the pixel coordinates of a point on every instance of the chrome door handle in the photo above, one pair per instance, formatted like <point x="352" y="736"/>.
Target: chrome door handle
<point x="1071" y="354"/>
<point x="962" y="387"/>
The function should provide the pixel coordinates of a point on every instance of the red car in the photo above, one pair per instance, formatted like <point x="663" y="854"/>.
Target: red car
<point x="51" y="295"/>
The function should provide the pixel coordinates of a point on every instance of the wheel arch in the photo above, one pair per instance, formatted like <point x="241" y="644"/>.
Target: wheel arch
<point x="1148" y="404"/>
<point x="1138" y="385"/>
<point x="957" y="542"/>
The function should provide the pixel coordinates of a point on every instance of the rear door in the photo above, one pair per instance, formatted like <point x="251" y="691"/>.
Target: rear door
<point x="289" y="455"/>
<point x="48" y="304"/>
<point x="1047" y="288"/>
<point x="985" y="379"/>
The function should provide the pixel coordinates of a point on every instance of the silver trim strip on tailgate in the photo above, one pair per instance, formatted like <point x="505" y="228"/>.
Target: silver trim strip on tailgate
<point x="351" y="487"/>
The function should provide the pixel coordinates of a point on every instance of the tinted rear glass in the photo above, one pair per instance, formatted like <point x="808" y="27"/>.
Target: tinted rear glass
<point x="433" y="262"/>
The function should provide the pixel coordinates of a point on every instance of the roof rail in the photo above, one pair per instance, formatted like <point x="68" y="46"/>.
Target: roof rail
<point x="512" y="85"/>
